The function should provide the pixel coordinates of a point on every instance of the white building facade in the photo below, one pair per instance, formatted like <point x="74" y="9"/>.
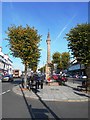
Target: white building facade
<point x="6" y="65"/>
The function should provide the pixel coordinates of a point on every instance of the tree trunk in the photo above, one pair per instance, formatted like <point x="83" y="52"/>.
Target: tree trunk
<point x="25" y="78"/>
<point x="88" y="71"/>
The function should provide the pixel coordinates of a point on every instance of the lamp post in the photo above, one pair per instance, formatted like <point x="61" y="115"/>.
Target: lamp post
<point x="43" y="67"/>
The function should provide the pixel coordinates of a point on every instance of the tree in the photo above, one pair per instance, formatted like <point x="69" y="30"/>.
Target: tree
<point x="34" y="62"/>
<point x="79" y="43"/>
<point x="61" y="60"/>
<point x="57" y="60"/>
<point x="56" y="57"/>
<point x="24" y="43"/>
<point x="65" y="59"/>
<point x="42" y="69"/>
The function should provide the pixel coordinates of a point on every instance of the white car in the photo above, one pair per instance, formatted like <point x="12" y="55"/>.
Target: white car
<point x="84" y="76"/>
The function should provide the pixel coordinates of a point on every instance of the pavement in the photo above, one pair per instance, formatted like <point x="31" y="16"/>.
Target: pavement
<point x="65" y="93"/>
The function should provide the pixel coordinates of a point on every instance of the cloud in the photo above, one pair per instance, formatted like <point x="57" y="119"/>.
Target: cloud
<point x="61" y="32"/>
<point x="64" y="28"/>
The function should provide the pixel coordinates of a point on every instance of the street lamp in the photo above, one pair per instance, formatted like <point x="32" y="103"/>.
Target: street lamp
<point x="43" y="67"/>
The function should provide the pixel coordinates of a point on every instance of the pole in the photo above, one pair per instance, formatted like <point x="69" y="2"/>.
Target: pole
<point x="43" y="66"/>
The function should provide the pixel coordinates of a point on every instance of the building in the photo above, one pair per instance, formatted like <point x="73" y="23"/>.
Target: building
<point x="5" y="63"/>
<point x="76" y="68"/>
<point x="2" y="60"/>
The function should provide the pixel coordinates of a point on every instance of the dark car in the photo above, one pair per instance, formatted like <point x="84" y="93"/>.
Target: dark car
<point x="7" y="77"/>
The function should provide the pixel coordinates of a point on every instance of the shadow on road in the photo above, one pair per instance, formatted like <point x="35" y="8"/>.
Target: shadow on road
<point x="38" y="114"/>
<point x="29" y="107"/>
<point x="82" y="94"/>
<point x="16" y="82"/>
<point x="48" y="108"/>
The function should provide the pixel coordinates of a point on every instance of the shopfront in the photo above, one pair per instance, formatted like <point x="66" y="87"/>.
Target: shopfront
<point x="76" y="68"/>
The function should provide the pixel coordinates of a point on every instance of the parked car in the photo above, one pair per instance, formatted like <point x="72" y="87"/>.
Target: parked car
<point x="84" y="76"/>
<point x="55" y="77"/>
<point x="7" y="77"/>
<point x="76" y="76"/>
<point x="64" y="79"/>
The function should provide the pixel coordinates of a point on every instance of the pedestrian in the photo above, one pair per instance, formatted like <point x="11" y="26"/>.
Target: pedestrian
<point x="38" y="82"/>
<point x="31" y="81"/>
<point x="28" y="82"/>
<point x="42" y="80"/>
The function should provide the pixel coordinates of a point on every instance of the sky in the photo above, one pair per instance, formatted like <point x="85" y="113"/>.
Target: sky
<point x="56" y="17"/>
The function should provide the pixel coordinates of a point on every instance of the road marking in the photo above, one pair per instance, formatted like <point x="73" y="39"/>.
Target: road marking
<point x="5" y="92"/>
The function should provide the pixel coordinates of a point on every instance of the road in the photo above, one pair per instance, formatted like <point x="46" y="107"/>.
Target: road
<point x="15" y="106"/>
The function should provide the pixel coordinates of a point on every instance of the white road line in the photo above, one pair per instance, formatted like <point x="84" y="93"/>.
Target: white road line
<point x="5" y="92"/>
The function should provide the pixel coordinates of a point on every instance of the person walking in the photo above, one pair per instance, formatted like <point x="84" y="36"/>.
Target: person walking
<point x="42" y="80"/>
<point x="22" y="83"/>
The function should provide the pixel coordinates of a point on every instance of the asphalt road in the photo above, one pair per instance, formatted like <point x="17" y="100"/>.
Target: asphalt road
<point x="15" y="106"/>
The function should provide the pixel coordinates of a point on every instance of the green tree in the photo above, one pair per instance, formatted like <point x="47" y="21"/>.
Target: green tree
<point x="42" y="69"/>
<point x="34" y="62"/>
<point x="65" y="56"/>
<point x="24" y="43"/>
<point x="61" y="60"/>
<point x="79" y="43"/>
<point x="56" y="57"/>
<point x="57" y="60"/>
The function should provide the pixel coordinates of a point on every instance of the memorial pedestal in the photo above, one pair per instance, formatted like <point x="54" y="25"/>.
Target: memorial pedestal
<point x="53" y="84"/>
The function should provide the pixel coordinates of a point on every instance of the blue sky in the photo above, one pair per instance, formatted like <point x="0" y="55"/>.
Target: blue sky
<point x="58" y="17"/>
